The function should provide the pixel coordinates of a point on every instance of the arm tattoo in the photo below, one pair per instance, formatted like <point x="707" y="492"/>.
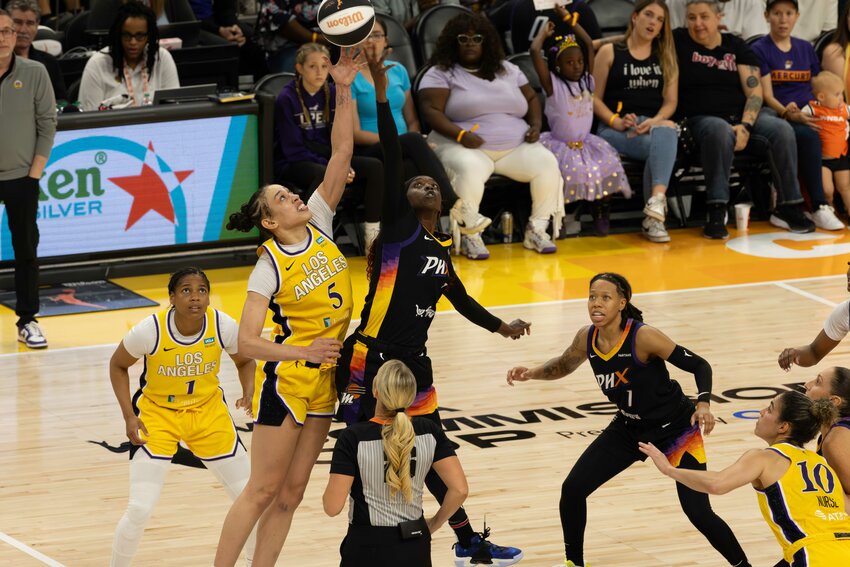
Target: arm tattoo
<point x="564" y="364"/>
<point x="754" y="104"/>
<point x="752" y="82"/>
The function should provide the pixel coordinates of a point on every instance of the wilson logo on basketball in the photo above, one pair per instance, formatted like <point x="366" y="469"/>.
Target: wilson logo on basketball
<point x="346" y="20"/>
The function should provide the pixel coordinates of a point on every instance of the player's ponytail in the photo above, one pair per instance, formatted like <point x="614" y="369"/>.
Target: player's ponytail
<point x="625" y="290"/>
<point x="395" y="387"/>
<point x="804" y="416"/>
<point x="251" y="214"/>
<point x="841" y="387"/>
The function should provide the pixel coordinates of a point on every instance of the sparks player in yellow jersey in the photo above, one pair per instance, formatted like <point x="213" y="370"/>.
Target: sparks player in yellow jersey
<point x="800" y="496"/>
<point x="179" y="399"/>
<point x="302" y="278"/>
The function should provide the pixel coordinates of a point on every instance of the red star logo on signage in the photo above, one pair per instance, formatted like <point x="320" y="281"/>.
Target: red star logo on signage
<point x="149" y="189"/>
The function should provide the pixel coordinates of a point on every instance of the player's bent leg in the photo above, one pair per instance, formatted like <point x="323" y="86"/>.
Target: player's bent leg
<point x="697" y="508"/>
<point x="277" y="519"/>
<point x="233" y="473"/>
<point x="146" y="478"/>
<point x="272" y="449"/>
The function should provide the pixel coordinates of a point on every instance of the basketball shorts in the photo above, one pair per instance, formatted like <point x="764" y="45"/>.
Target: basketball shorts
<point x="206" y="429"/>
<point x="296" y="388"/>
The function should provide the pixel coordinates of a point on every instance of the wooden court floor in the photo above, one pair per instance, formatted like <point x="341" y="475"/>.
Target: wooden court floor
<point x="737" y="304"/>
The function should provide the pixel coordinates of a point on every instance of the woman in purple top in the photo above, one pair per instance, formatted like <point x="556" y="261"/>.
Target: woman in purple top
<point x="590" y="167"/>
<point x="304" y="115"/>
<point x="787" y="66"/>
<point x="486" y="119"/>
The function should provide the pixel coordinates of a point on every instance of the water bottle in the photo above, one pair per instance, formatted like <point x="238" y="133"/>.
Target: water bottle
<point x="507" y="224"/>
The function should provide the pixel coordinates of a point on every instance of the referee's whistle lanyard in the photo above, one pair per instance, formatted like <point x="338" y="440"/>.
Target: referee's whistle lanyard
<point x="131" y="91"/>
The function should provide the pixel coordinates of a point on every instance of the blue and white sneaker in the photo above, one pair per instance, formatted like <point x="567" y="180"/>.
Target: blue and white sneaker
<point x="482" y="552"/>
<point x="32" y="335"/>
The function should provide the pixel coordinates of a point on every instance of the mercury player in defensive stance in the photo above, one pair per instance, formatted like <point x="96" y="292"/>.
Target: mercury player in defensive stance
<point x="627" y="358"/>
<point x="179" y="399"/>
<point x="303" y="279"/>
<point x="409" y="269"/>
<point x="800" y="496"/>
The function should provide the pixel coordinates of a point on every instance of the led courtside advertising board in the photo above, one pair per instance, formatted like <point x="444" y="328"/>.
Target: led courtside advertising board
<point x="140" y="186"/>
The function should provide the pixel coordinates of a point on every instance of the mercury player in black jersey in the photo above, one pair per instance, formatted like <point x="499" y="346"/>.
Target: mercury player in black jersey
<point x="627" y="358"/>
<point x="409" y="270"/>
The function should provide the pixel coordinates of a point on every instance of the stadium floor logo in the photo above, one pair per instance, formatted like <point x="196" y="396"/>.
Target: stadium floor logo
<point x="790" y="246"/>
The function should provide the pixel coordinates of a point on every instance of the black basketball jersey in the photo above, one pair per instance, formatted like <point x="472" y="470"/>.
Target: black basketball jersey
<point x="412" y="268"/>
<point x="359" y="452"/>
<point x="640" y="391"/>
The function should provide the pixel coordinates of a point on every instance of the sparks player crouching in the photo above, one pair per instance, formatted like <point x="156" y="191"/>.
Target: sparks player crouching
<point x="179" y="400"/>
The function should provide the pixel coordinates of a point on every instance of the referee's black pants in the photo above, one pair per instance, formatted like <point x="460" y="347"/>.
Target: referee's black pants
<point x="21" y="199"/>
<point x="369" y="546"/>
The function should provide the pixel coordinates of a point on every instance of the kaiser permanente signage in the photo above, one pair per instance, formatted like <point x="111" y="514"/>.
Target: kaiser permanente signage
<point x="140" y="186"/>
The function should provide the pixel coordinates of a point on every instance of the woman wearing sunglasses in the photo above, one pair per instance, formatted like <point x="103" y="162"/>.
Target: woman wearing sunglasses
<point x="132" y="68"/>
<point x="475" y="140"/>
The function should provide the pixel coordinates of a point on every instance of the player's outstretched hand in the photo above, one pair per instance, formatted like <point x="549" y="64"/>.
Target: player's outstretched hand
<point x="134" y="424"/>
<point x="788" y="358"/>
<point x="519" y="374"/>
<point x="346" y="69"/>
<point x="659" y="458"/>
<point x="323" y="351"/>
<point x="515" y="329"/>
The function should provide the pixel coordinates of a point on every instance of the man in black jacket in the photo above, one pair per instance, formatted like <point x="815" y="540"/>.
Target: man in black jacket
<point x="26" y="16"/>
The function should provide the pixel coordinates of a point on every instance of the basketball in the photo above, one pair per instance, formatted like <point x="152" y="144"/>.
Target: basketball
<point x="346" y="22"/>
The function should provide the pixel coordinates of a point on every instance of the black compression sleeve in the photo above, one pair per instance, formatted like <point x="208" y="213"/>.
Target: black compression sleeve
<point x="696" y="365"/>
<point x="469" y="308"/>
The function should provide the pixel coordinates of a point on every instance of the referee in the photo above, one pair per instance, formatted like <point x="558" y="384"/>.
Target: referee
<point x="381" y="464"/>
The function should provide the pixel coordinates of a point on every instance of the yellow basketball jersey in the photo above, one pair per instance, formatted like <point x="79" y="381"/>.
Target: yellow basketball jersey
<point x="180" y="375"/>
<point x="313" y="298"/>
<point x="805" y="510"/>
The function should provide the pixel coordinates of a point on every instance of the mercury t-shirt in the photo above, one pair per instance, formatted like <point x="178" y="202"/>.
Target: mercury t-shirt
<point x="709" y="83"/>
<point x="791" y="72"/>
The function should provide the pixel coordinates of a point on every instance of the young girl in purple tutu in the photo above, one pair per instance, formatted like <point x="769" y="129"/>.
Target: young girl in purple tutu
<point x="590" y="167"/>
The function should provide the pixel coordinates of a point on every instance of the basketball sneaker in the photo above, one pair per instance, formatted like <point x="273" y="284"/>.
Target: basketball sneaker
<point x="472" y="246"/>
<point x="468" y="220"/>
<point x="482" y="552"/>
<point x="32" y="335"/>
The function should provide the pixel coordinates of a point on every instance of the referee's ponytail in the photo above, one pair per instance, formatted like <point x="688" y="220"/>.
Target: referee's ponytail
<point x="624" y="288"/>
<point x="395" y="387"/>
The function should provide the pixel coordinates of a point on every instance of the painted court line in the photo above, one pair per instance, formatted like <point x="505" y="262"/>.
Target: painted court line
<point x="781" y="283"/>
<point x="806" y="294"/>
<point x="29" y="551"/>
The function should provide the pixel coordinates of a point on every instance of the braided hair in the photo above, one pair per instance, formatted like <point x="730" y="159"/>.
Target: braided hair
<point x="251" y="214"/>
<point x="625" y="290"/>
<point x="300" y="57"/>
<point x="562" y="45"/>
<point x="126" y="11"/>
<point x="182" y="273"/>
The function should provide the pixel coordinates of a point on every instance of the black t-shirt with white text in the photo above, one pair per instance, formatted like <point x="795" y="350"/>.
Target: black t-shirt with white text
<point x="709" y="83"/>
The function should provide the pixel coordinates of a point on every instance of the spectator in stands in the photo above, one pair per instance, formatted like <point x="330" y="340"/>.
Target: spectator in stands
<point x="408" y="11"/>
<point x="132" y="67"/>
<point x="304" y="115"/>
<point x="787" y="67"/>
<point x="220" y="24"/>
<point x="283" y="25"/>
<point x="28" y="116"/>
<point x="525" y="21"/>
<point x="744" y="18"/>
<point x="637" y="90"/>
<point x="420" y="159"/>
<point x="475" y="140"/>
<point x="836" y="55"/>
<point x="590" y="166"/>
<point x="721" y="96"/>
<point x="26" y="16"/>
<point x="46" y="7"/>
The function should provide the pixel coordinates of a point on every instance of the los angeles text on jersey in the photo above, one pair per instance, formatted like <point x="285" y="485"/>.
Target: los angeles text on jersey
<point x="317" y="270"/>
<point x="187" y="364"/>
